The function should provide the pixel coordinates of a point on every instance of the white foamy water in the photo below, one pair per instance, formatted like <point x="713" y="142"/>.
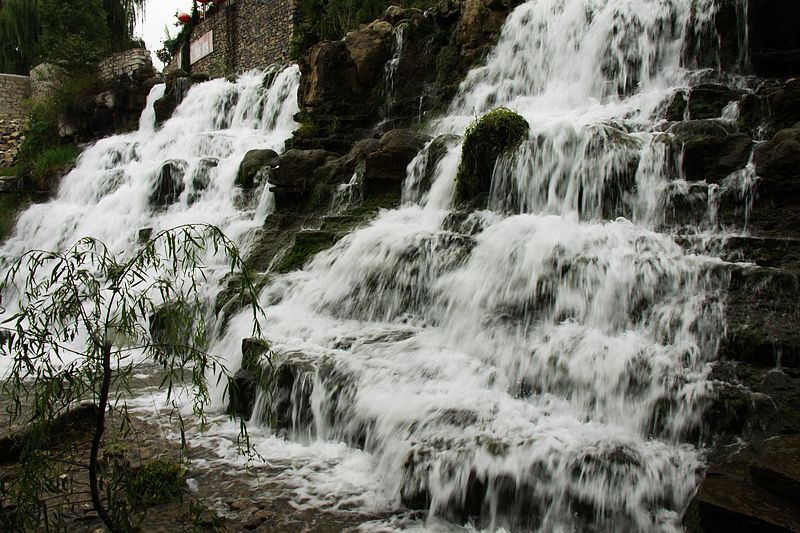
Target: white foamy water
<point x="111" y="193"/>
<point x="536" y="366"/>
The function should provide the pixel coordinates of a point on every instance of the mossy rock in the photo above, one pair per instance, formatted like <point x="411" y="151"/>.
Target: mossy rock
<point x="306" y="245"/>
<point x="485" y="141"/>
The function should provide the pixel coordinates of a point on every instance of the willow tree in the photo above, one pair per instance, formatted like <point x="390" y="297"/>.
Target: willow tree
<point x="80" y="318"/>
<point x="19" y="33"/>
<point x="121" y="17"/>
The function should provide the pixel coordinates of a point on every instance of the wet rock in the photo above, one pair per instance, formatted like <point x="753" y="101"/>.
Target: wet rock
<point x="714" y="158"/>
<point x="169" y="183"/>
<point x="396" y="14"/>
<point x="245" y="384"/>
<point x="367" y="47"/>
<point x="763" y="251"/>
<point x="749" y="491"/>
<point x="294" y="172"/>
<point x="676" y="106"/>
<point x="388" y="159"/>
<point x="251" y="165"/>
<point x="779" y="158"/>
<point x="682" y="132"/>
<point x="291" y="385"/>
<point x="708" y="101"/>
<point x="201" y="178"/>
<point x="762" y="309"/>
<point x="479" y="26"/>
<point x="782" y="102"/>
<point x="341" y="170"/>
<point x="435" y="152"/>
<point x="178" y="84"/>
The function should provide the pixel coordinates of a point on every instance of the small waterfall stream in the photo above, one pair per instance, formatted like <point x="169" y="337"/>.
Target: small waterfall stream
<point x="537" y="365"/>
<point x="113" y="192"/>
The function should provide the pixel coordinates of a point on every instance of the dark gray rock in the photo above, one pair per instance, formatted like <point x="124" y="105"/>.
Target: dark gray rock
<point x="296" y="168"/>
<point x="714" y="158"/>
<point x="169" y="183"/>
<point x="388" y="160"/>
<point x="708" y="101"/>
<point x="779" y="158"/>
<point x="251" y="165"/>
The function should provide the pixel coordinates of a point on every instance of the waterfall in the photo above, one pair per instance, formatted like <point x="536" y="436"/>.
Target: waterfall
<point x="537" y="365"/>
<point x="116" y="188"/>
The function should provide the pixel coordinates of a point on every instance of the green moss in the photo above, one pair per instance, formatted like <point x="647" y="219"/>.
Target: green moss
<point x="306" y="245"/>
<point x="158" y="481"/>
<point x="485" y="140"/>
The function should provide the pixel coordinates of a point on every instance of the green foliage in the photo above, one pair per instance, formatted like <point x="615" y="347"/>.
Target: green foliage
<point x="70" y="33"/>
<point x="484" y="141"/>
<point x="19" y="32"/>
<point x="51" y="163"/>
<point x="74" y="33"/>
<point x="159" y="481"/>
<point x="172" y="45"/>
<point x="78" y="318"/>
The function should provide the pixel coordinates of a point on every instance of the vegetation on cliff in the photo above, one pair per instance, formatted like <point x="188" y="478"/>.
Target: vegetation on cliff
<point x="330" y="20"/>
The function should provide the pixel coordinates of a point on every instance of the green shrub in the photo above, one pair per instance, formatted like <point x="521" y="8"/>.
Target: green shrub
<point x="484" y="141"/>
<point x="43" y="152"/>
<point x="156" y="482"/>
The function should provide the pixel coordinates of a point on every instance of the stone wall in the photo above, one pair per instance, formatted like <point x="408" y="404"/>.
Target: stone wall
<point x="13" y="90"/>
<point x="245" y="34"/>
<point x="132" y="63"/>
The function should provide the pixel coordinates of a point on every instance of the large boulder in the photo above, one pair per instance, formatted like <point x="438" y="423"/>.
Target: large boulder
<point x="296" y="170"/>
<point x="714" y="158"/>
<point x="708" y="100"/>
<point x="368" y="47"/>
<point x="388" y="160"/>
<point x="252" y="163"/>
<point x="779" y="158"/>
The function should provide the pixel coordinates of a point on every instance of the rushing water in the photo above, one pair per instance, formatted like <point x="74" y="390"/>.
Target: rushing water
<point x="538" y="365"/>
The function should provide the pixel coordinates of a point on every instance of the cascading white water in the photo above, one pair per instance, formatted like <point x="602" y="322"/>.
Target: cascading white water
<point x="534" y="366"/>
<point x="112" y="193"/>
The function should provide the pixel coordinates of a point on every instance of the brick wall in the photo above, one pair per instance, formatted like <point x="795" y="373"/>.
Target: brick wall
<point x="247" y="34"/>
<point x="128" y="63"/>
<point x="13" y="90"/>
